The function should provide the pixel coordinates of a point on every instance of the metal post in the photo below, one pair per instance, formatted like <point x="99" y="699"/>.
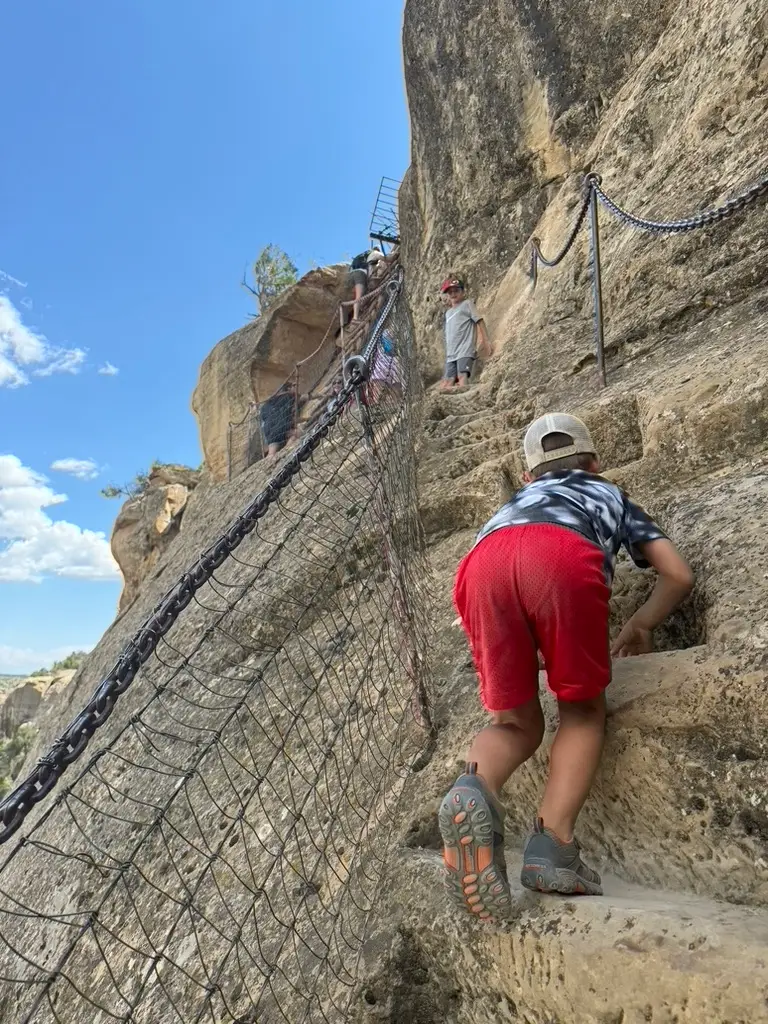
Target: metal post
<point x="597" y="287"/>
<point x="256" y="407"/>
<point x="534" y="271"/>
<point x="295" y="431"/>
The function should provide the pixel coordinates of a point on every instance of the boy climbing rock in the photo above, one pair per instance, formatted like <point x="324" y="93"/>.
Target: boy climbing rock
<point x="539" y="579"/>
<point x="465" y="335"/>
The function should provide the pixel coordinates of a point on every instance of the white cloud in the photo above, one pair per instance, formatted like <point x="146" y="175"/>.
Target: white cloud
<point x="10" y="375"/>
<point x="62" y="360"/>
<point x="32" y="545"/>
<point x="22" y="347"/>
<point x="12" y="280"/>
<point x="26" y="302"/>
<point x="18" y="341"/>
<point x="83" y="469"/>
<point x="108" y="370"/>
<point x="19" y="661"/>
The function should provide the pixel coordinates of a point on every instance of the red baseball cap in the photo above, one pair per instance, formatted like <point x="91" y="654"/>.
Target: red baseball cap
<point x="451" y="282"/>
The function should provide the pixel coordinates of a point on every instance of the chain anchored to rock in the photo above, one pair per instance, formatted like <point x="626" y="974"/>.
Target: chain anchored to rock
<point x="593" y="196"/>
<point x="699" y="220"/>
<point x="536" y="254"/>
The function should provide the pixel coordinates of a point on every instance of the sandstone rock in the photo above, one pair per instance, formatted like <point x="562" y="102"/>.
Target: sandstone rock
<point x="146" y="525"/>
<point x="666" y="104"/>
<point x="249" y="365"/>
<point x="22" y="703"/>
<point x="634" y="955"/>
<point x="527" y="101"/>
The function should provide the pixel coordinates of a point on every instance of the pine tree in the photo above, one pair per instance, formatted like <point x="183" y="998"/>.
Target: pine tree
<point x="273" y="272"/>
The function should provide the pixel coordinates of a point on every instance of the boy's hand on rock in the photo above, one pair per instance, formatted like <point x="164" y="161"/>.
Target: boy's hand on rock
<point x="633" y="639"/>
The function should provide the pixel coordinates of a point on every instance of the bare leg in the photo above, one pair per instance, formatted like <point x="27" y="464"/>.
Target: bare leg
<point x="463" y="380"/>
<point x="503" y="746"/>
<point x="446" y="384"/>
<point x="359" y="293"/>
<point x="573" y="761"/>
<point x="472" y="818"/>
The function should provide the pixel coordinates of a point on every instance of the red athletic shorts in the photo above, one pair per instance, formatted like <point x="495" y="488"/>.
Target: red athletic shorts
<point x="528" y="587"/>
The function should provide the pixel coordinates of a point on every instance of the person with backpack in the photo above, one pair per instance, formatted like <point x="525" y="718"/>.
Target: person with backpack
<point x="359" y="269"/>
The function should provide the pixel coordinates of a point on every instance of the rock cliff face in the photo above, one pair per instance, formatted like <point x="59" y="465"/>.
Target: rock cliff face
<point x="250" y="364"/>
<point x="147" y="524"/>
<point x="510" y="105"/>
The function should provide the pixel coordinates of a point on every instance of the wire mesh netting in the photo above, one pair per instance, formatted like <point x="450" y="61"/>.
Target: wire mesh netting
<point x="215" y="854"/>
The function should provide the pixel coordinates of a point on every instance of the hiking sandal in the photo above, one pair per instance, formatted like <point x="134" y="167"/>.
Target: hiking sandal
<point x="472" y="826"/>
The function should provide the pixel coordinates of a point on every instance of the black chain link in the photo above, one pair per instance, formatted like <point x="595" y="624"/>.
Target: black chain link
<point x="536" y="254"/>
<point x="699" y="220"/>
<point x="75" y="738"/>
<point x="393" y="287"/>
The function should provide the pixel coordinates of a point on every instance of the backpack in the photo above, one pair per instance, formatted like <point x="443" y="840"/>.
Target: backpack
<point x="359" y="262"/>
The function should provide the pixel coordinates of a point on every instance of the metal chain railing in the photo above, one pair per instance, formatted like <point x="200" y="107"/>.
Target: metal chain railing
<point x="593" y="197"/>
<point x="699" y="220"/>
<point x="75" y="738"/>
<point x="536" y="254"/>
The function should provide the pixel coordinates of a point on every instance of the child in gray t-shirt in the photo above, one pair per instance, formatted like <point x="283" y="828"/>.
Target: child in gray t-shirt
<point x="465" y="334"/>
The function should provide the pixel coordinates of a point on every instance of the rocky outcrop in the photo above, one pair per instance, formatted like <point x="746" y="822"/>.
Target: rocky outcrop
<point x="250" y="364"/>
<point x="22" y="703"/>
<point x="148" y="523"/>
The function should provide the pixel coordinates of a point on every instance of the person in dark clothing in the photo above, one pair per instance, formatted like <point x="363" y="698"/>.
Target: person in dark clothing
<point x="359" y="270"/>
<point x="278" y="419"/>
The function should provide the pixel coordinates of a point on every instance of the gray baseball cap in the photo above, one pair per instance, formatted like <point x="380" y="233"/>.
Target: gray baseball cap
<point x="556" y="423"/>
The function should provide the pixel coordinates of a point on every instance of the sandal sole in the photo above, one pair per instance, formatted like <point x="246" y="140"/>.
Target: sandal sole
<point x="473" y="880"/>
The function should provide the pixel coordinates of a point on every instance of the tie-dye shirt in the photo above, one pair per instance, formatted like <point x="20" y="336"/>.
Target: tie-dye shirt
<point x="588" y="504"/>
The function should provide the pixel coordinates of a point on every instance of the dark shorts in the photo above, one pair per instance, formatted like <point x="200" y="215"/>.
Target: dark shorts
<point x="454" y="367"/>
<point x="529" y="588"/>
<point x="357" y="277"/>
<point x="275" y="435"/>
<point x="277" y="419"/>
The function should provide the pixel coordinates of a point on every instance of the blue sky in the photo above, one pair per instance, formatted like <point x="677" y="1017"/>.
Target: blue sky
<point x="151" y="148"/>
